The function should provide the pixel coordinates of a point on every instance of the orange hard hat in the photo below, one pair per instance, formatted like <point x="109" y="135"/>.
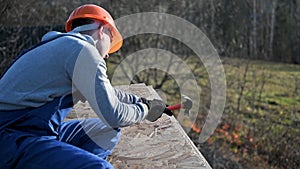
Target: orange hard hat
<point x="95" y="12"/>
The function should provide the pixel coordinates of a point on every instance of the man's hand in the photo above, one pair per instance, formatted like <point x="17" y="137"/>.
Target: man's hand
<point x="156" y="109"/>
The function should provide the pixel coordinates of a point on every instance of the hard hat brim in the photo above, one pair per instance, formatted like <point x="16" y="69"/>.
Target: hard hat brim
<point x="117" y="40"/>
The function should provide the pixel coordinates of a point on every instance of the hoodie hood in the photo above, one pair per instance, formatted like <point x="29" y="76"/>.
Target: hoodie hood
<point x="55" y="34"/>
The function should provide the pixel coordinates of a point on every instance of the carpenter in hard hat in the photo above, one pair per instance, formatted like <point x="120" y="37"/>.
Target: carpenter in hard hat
<point x="40" y="88"/>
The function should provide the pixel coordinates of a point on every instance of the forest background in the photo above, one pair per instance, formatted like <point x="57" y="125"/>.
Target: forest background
<point x="257" y="41"/>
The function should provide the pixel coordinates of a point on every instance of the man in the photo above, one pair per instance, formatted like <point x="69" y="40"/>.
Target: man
<point x="42" y="85"/>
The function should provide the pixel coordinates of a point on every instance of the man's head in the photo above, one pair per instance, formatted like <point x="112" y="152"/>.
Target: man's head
<point x="97" y="22"/>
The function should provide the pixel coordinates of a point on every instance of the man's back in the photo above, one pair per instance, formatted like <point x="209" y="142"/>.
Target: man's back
<point x="41" y="74"/>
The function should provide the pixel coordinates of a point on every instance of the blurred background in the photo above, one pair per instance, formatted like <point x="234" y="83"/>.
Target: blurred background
<point x="258" y="43"/>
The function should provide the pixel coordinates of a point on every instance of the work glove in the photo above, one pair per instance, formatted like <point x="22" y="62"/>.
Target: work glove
<point x="156" y="109"/>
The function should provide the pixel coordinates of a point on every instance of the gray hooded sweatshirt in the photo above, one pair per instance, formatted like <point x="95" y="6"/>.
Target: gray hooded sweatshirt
<point x="65" y="65"/>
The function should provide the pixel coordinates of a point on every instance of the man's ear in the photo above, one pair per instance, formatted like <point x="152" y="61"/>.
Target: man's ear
<point x="101" y="32"/>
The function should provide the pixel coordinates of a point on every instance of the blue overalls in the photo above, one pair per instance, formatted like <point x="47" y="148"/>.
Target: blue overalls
<point x="38" y="138"/>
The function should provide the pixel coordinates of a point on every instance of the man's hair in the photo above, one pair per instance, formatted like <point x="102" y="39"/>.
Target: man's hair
<point x="81" y="21"/>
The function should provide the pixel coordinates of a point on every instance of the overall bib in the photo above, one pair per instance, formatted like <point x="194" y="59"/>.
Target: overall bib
<point x="38" y="138"/>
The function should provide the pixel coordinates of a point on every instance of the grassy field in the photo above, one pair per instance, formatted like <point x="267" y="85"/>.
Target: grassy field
<point x="260" y="126"/>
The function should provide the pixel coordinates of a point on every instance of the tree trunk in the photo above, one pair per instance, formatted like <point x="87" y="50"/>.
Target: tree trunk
<point x="254" y="35"/>
<point x="272" y="27"/>
<point x="213" y="11"/>
<point x="297" y="15"/>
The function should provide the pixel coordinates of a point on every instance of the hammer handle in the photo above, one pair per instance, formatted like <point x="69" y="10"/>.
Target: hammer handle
<point x="176" y="106"/>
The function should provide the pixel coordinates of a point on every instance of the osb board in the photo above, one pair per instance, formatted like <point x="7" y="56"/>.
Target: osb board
<point x="147" y="145"/>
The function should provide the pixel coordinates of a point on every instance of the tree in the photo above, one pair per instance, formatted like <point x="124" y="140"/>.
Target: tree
<point x="272" y="27"/>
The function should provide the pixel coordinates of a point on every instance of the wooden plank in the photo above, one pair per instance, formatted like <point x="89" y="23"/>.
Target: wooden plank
<point x="161" y="144"/>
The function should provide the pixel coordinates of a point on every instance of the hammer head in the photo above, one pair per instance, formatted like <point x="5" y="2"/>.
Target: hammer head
<point x="187" y="105"/>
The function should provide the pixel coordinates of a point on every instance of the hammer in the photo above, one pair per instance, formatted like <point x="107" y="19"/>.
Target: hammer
<point x="186" y="104"/>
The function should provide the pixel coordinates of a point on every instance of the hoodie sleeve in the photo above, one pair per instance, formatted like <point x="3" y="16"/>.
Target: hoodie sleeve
<point x="127" y="97"/>
<point x="90" y="78"/>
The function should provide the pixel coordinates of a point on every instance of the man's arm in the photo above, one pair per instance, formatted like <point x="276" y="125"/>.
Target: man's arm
<point x="90" y="78"/>
<point x="127" y="97"/>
